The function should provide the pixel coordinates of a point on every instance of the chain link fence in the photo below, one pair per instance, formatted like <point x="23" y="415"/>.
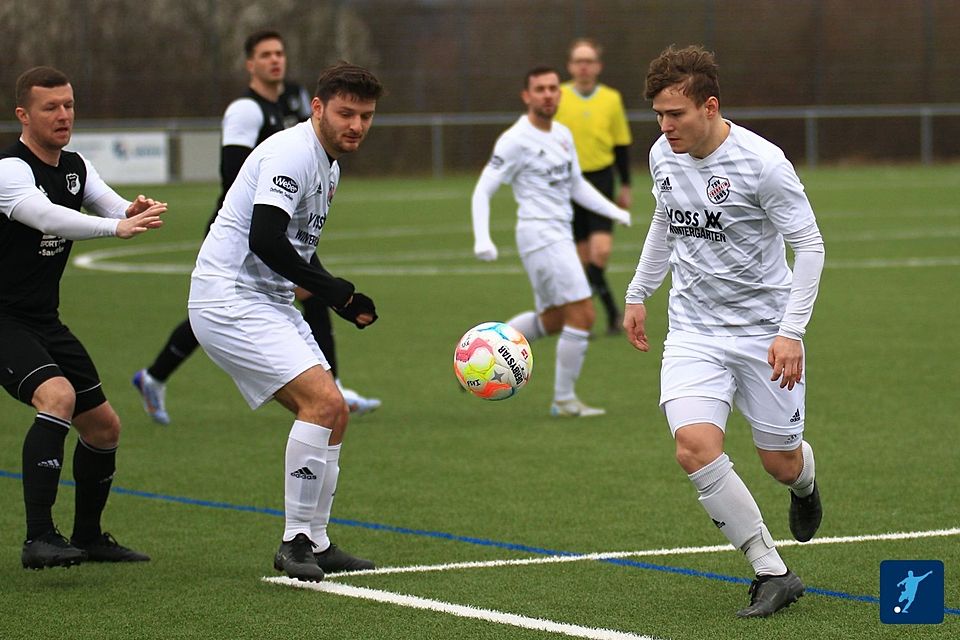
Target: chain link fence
<point x="183" y="59"/>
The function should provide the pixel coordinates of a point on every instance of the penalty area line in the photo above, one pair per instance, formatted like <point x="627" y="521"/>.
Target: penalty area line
<point x="463" y="611"/>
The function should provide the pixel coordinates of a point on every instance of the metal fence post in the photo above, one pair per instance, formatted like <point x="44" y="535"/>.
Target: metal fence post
<point x="436" y="142"/>
<point x="810" y="139"/>
<point x="926" y="136"/>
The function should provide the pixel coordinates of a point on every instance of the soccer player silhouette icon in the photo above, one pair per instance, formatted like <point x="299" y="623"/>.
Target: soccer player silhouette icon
<point x="909" y="585"/>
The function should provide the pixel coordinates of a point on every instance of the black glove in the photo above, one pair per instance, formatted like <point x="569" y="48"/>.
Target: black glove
<point x="358" y="305"/>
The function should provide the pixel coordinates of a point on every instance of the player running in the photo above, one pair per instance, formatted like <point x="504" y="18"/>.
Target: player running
<point x="726" y="199"/>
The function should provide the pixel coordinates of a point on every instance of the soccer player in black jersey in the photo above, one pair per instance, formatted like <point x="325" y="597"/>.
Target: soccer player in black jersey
<point x="270" y="105"/>
<point x="42" y="189"/>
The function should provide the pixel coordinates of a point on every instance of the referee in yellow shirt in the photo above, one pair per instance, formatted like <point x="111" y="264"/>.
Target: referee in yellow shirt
<point x="595" y="114"/>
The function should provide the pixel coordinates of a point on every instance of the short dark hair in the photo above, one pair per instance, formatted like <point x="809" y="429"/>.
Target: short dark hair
<point x="257" y="37"/>
<point x="693" y="67"/>
<point x="539" y="70"/>
<point x="46" y="77"/>
<point x="345" y="79"/>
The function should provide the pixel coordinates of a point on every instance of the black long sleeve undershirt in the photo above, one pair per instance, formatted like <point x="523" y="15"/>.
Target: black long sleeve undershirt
<point x="621" y="158"/>
<point x="268" y="241"/>
<point x="231" y="159"/>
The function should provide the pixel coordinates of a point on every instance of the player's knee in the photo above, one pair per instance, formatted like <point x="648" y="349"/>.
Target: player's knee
<point x="110" y="433"/>
<point x="693" y="454"/>
<point x="784" y="466"/>
<point x="580" y="315"/>
<point x="589" y="315"/>
<point x="340" y="426"/>
<point x="601" y="256"/>
<point x="56" y="397"/>
<point x="99" y="427"/>
<point x="688" y="459"/>
<point x="326" y="412"/>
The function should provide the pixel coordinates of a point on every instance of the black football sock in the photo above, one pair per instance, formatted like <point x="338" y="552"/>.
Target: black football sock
<point x="93" y="471"/>
<point x="42" y="461"/>
<point x="598" y="282"/>
<point x="179" y="347"/>
<point x="317" y="314"/>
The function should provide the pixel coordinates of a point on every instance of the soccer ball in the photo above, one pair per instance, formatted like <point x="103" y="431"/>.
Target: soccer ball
<point x="493" y="361"/>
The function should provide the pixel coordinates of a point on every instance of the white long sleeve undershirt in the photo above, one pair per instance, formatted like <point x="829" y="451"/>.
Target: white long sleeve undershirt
<point x="41" y="214"/>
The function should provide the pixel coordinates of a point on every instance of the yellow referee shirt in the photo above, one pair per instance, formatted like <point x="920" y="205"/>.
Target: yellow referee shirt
<point x="598" y="123"/>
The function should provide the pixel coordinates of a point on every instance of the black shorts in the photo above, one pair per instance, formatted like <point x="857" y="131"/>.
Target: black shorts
<point x="586" y="222"/>
<point x="31" y="354"/>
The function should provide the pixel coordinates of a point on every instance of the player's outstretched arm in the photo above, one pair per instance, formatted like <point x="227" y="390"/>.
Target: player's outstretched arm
<point x="141" y="203"/>
<point x="147" y="219"/>
<point x="39" y="213"/>
<point x="587" y="196"/>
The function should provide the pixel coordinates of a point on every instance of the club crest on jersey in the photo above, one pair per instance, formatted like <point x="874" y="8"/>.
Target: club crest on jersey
<point x="73" y="183"/>
<point x="286" y="183"/>
<point x="718" y="189"/>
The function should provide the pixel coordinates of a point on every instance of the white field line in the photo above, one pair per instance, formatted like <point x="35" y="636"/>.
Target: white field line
<point x="388" y="264"/>
<point x="675" y="551"/>
<point x="463" y="611"/>
<point x="576" y="631"/>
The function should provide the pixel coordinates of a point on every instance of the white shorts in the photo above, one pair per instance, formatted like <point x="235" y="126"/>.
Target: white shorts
<point x="735" y="371"/>
<point x="556" y="275"/>
<point x="262" y="345"/>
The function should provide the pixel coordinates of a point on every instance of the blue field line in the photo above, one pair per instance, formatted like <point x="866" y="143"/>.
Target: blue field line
<point x="212" y="504"/>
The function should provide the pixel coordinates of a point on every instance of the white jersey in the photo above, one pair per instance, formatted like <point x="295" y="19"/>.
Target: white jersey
<point x="289" y="170"/>
<point x="540" y="166"/>
<point x="725" y="216"/>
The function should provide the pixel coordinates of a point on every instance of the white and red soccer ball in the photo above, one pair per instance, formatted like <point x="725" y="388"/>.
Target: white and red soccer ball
<point x="493" y="361"/>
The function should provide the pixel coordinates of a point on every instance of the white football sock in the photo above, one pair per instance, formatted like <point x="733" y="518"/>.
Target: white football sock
<point x="731" y="507"/>
<point x="763" y="555"/>
<point x="321" y="518"/>
<point x="528" y="323"/>
<point x="571" y="351"/>
<point x="304" y="470"/>
<point x="803" y="485"/>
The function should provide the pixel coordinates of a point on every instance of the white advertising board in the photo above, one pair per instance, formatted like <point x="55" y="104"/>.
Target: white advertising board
<point x="126" y="158"/>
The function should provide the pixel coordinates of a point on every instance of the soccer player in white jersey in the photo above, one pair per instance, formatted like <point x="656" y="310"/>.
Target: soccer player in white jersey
<point x="538" y="158"/>
<point x="270" y="104"/>
<point x="260" y="248"/>
<point x="725" y="201"/>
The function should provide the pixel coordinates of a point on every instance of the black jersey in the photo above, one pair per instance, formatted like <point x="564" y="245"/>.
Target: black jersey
<point x="32" y="262"/>
<point x="289" y="109"/>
